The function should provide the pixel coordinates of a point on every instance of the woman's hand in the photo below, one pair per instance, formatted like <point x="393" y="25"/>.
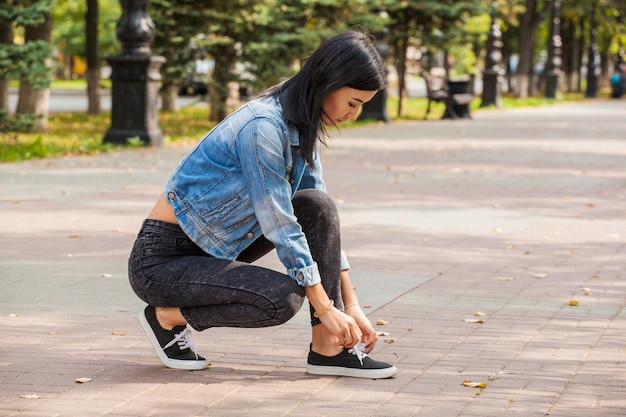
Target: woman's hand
<point x="369" y="337"/>
<point x="343" y="327"/>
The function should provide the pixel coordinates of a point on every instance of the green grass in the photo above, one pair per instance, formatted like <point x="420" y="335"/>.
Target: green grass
<point x="77" y="133"/>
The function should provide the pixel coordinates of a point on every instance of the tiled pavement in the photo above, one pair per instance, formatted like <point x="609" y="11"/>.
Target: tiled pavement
<point x="514" y="214"/>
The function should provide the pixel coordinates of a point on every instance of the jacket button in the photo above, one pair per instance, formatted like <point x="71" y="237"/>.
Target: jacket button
<point x="171" y="195"/>
<point x="249" y="235"/>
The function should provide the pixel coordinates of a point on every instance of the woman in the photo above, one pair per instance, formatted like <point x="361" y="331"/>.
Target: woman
<point x="254" y="183"/>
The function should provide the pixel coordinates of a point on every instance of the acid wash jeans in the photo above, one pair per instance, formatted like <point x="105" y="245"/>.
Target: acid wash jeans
<point x="166" y="269"/>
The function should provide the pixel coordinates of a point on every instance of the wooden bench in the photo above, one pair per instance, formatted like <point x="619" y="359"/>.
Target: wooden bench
<point x="453" y="93"/>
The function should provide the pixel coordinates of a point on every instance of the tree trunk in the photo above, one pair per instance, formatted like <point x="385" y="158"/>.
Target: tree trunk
<point x="169" y="96"/>
<point x="6" y="38"/>
<point x="224" y="56"/>
<point x="33" y="101"/>
<point x="528" y="38"/>
<point x="569" y="54"/>
<point x="401" y="48"/>
<point x="93" y="61"/>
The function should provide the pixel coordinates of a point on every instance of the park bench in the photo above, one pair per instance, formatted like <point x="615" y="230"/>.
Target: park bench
<point x="454" y="94"/>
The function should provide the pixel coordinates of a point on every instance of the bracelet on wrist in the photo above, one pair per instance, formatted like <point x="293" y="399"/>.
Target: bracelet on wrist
<point x="350" y="305"/>
<point x="326" y="310"/>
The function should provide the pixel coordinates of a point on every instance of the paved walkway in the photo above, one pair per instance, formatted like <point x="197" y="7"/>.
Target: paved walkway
<point x="516" y="215"/>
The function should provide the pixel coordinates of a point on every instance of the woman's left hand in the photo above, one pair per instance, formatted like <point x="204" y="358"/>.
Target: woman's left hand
<point x="369" y="337"/>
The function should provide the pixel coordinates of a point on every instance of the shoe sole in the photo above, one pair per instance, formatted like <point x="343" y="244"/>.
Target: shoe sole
<point x="351" y="372"/>
<point x="170" y="363"/>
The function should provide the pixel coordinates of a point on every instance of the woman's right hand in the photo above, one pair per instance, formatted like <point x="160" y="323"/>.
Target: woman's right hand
<point x="343" y="327"/>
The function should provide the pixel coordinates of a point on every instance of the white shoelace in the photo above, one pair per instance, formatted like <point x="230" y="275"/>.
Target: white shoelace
<point x="359" y="351"/>
<point x="184" y="340"/>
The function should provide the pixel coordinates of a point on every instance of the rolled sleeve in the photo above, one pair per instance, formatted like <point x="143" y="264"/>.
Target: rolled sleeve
<point x="306" y="277"/>
<point x="345" y="265"/>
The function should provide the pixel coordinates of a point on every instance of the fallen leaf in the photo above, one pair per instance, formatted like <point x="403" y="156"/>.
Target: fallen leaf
<point x="30" y="396"/>
<point x="105" y="275"/>
<point x="474" y="321"/>
<point x="540" y="275"/>
<point x="381" y="322"/>
<point x="15" y="315"/>
<point x="469" y="383"/>
<point x="497" y="230"/>
<point x="511" y="247"/>
<point x="390" y="341"/>
<point x="572" y="303"/>
<point x="367" y="306"/>
<point x="82" y="380"/>
<point x="75" y="237"/>
<point x="479" y="314"/>
<point x="506" y="279"/>
<point x="122" y="333"/>
<point x="382" y="333"/>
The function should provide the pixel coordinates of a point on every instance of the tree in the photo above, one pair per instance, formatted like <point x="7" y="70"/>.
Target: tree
<point x="264" y="37"/>
<point x="34" y="95"/>
<point x="173" y="40"/>
<point x="29" y="62"/>
<point x="6" y="46"/>
<point x="93" y="58"/>
<point x="438" y="24"/>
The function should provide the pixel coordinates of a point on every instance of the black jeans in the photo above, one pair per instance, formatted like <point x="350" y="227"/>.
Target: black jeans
<point x="166" y="269"/>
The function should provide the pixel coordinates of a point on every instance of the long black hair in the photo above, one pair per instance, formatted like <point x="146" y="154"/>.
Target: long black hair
<point x="345" y="60"/>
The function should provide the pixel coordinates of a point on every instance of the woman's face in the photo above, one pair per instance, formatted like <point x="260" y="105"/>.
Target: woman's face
<point x="343" y="104"/>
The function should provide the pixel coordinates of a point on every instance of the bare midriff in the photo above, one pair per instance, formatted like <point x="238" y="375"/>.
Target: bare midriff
<point x="163" y="211"/>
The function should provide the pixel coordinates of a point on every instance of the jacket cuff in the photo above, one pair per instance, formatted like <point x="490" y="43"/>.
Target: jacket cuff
<point x="306" y="277"/>
<point x="345" y="265"/>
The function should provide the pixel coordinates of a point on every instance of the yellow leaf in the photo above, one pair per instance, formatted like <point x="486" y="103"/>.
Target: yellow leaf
<point x="122" y="333"/>
<point x="540" y="275"/>
<point x="390" y="341"/>
<point x="75" y="237"/>
<point x="82" y="380"/>
<point x="30" y="396"/>
<point x="381" y="322"/>
<point x="573" y="303"/>
<point x="479" y="314"/>
<point x="474" y="321"/>
<point x="382" y="333"/>
<point x="469" y="383"/>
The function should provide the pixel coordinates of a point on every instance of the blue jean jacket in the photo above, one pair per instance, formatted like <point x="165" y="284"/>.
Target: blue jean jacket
<point x="237" y="185"/>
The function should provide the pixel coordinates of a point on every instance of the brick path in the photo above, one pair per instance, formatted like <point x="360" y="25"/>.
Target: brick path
<point x="514" y="214"/>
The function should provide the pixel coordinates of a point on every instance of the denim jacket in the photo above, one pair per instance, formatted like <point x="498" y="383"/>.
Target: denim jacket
<point x="237" y="185"/>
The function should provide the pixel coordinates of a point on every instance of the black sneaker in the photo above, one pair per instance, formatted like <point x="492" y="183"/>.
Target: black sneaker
<point x="352" y="362"/>
<point x="175" y="347"/>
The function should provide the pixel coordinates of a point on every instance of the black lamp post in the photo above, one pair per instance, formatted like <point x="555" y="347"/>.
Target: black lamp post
<point x="592" y="60"/>
<point x="492" y="75"/>
<point x="553" y="68"/>
<point x="135" y="77"/>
